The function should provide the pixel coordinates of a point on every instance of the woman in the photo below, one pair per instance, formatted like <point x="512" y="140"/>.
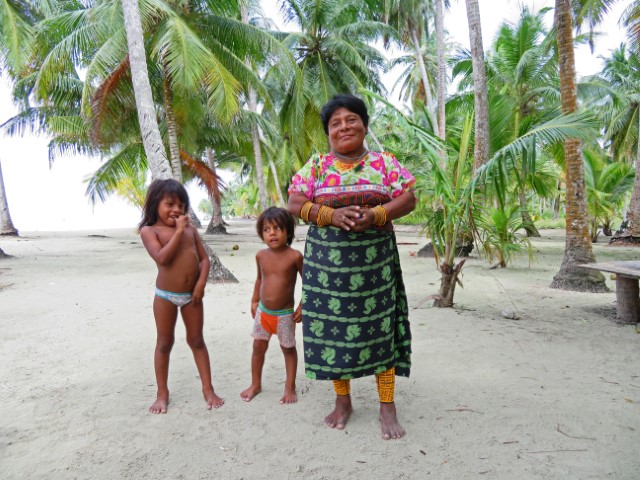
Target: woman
<point x="355" y="321"/>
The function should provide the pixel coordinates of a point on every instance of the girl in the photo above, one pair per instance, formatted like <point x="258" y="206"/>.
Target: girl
<point x="183" y="267"/>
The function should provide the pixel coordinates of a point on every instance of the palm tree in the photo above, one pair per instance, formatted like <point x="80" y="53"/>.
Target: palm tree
<point x="631" y="20"/>
<point x="411" y="19"/>
<point x="621" y="76"/>
<point x="6" y="225"/>
<point x="442" y="68"/>
<point x="608" y="185"/>
<point x="578" y="248"/>
<point x="16" y="34"/>
<point x="216" y="224"/>
<point x="252" y="103"/>
<point x="481" y="102"/>
<point x="151" y="138"/>
<point x="333" y="55"/>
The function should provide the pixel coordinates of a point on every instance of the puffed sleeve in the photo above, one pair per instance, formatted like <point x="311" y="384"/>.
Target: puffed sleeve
<point x="398" y="178"/>
<point x="304" y="180"/>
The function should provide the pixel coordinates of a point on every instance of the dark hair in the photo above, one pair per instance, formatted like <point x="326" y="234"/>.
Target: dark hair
<point x="155" y="193"/>
<point x="280" y="217"/>
<point x="350" y="102"/>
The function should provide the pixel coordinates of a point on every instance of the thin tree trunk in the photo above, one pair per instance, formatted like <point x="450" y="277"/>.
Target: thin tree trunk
<point x="255" y="132"/>
<point x="442" y="68"/>
<point x="425" y="78"/>
<point x="527" y="221"/>
<point x="480" y="95"/>
<point x="6" y="225"/>
<point x="216" y="224"/>
<point x="578" y="249"/>
<point x="172" y="133"/>
<point x="257" y="153"/>
<point x="276" y="182"/>
<point x="172" y="128"/>
<point x="151" y="139"/>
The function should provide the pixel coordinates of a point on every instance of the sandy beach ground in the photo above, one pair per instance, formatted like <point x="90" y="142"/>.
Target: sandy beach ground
<point x="554" y="394"/>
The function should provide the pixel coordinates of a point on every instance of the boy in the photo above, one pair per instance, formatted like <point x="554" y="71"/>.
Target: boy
<point x="272" y="302"/>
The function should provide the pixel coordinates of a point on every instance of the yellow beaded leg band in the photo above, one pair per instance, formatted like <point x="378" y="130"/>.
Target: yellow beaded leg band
<point x="386" y="382"/>
<point x="342" y="387"/>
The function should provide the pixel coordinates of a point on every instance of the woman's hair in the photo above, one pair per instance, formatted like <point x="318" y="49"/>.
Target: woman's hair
<point x="156" y="192"/>
<point x="350" y="102"/>
<point x="280" y="217"/>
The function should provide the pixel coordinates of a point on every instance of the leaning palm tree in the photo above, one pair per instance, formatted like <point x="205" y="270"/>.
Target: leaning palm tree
<point x="578" y="249"/>
<point x="151" y="138"/>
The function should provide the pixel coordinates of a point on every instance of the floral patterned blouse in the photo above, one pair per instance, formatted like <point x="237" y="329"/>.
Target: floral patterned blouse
<point x="375" y="179"/>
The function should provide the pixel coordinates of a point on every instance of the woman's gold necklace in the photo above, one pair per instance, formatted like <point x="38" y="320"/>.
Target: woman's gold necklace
<point x="350" y="159"/>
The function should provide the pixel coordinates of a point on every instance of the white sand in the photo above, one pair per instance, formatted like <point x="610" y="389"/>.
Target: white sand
<point x="553" y="395"/>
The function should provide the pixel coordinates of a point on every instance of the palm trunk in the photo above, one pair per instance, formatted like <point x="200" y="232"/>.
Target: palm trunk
<point x="578" y="249"/>
<point x="442" y="76"/>
<point x="6" y="225"/>
<point x="151" y="139"/>
<point x="172" y="132"/>
<point x="425" y="78"/>
<point x="255" y="133"/>
<point x="216" y="224"/>
<point x="276" y="182"/>
<point x="172" y="128"/>
<point x="448" y="282"/>
<point x="527" y="222"/>
<point x="480" y="95"/>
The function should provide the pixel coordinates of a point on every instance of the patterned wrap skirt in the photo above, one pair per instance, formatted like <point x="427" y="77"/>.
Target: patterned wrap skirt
<point x="354" y="314"/>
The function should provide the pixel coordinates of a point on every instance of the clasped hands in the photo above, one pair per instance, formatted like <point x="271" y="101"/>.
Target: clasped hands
<point x="353" y="218"/>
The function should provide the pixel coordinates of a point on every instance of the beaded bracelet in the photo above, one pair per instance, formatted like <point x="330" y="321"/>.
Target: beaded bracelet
<point x="379" y="215"/>
<point x="305" y="210"/>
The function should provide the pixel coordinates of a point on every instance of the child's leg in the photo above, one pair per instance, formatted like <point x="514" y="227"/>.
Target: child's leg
<point x="290" y="365"/>
<point x="165" y="314"/>
<point x="257" y="362"/>
<point x="193" y="317"/>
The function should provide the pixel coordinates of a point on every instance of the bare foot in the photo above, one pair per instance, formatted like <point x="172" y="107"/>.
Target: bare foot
<point x="248" y="394"/>
<point x="341" y="413"/>
<point x="290" y="396"/>
<point x="160" y="405"/>
<point x="213" y="400"/>
<point x="389" y="422"/>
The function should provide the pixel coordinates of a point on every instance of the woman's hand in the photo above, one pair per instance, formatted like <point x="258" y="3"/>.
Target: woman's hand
<point x="346" y="217"/>
<point x="365" y="221"/>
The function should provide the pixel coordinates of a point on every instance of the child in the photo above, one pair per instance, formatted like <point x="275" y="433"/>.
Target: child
<point x="183" y="267"/>
<point x="272" y="302"/>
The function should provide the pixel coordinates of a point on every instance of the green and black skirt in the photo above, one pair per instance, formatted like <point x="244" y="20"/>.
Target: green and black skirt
<point x="354" y="314"/>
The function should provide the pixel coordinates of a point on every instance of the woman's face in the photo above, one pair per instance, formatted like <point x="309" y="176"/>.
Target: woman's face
<point x="346" y="132"/>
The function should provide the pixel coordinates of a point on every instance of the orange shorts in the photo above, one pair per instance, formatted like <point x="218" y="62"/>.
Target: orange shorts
<point x="265" y="325"/>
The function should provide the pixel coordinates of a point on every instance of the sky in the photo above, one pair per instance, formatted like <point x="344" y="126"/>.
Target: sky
<point x="53" y="199"/>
